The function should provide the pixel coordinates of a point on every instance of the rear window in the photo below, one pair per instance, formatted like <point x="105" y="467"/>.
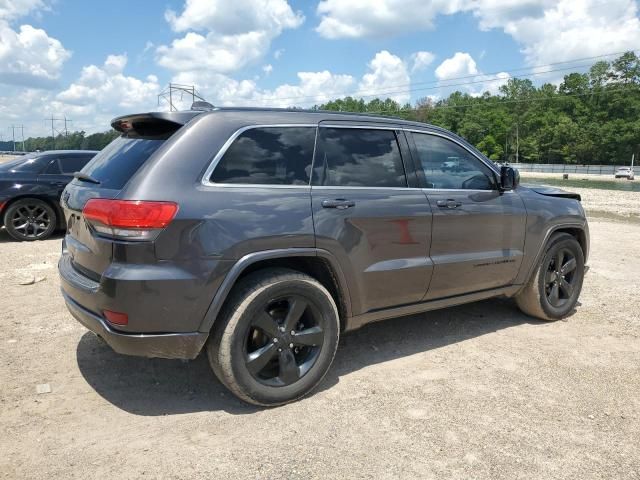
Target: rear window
<point x="120" y="160"/>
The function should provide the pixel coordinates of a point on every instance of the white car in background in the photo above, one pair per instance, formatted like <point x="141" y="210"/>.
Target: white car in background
<point x="624" y="172"/>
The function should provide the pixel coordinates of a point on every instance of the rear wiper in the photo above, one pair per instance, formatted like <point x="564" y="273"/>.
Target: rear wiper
<point x="86" y="178"/>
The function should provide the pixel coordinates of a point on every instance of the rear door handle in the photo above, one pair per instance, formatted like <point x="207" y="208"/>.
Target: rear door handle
<point x="339" y="203"/>
<point x="449" y="203"/>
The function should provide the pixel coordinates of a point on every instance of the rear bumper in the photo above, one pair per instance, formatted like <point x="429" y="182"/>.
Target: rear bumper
<point x="164" y="345"/>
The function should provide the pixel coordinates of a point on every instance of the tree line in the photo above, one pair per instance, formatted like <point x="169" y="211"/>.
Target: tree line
<point x="590" y="118"/>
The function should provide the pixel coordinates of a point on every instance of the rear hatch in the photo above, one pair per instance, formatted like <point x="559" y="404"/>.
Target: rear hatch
<point x="104" y="177"/>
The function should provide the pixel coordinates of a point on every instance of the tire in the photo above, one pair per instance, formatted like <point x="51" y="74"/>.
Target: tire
<point x="252" y="350"/>
<point x="30" y="219"/>
<point x="537" y="298"/>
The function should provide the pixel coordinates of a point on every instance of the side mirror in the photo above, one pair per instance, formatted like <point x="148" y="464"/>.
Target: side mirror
<point x="509" y="178"/>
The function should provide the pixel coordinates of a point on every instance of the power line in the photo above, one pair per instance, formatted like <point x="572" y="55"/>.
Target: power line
<point x="370" y="93"/>
<point x="498" y="101"/>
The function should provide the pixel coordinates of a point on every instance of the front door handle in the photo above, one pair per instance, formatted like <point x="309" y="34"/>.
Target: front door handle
<point x="449" y="203"/>
<point x="339" y="203"/>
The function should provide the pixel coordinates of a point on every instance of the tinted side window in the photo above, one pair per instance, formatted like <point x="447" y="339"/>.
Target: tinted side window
<point x="73" y="163"/>
<point x="448" y="165"/>
<point x="53" y="168"/>
<point x="358" y="157"/>
<point x="268" y="156"/>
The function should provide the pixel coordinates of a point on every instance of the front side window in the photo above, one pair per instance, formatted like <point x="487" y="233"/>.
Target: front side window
<point x="447" y="165"/>
<point x="268" y="156"/>
<point x="358" y="157"/>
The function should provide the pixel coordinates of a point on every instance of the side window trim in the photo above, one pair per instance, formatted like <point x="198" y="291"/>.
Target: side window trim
<point x="421" y="175"/>
<point x="205" y="181"/>
<point x="396" y="130"/>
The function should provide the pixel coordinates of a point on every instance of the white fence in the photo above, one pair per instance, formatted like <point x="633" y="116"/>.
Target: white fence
<point x="563" y="168"/>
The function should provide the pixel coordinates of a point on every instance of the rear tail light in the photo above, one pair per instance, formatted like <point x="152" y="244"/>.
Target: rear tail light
<point x="129" y="219"/>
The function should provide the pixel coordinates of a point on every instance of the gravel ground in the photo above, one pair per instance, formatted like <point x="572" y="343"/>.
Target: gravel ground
<point x="477" y="391"/>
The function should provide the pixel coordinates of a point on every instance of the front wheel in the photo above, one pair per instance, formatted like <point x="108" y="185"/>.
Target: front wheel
<point x="554" y="288"/>
<point x="276" y="337"/>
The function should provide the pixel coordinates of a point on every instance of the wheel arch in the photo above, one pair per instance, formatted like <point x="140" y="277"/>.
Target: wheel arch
<point x="579" y="231"/>
<point x="317" y="263"/>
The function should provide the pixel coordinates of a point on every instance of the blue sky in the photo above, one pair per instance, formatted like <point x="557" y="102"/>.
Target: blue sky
<point x="92" y="60"/>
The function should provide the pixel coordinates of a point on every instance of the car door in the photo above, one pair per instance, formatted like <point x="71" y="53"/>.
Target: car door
<point x="478" y="231"/>
<point x="368" y="216"/>
<point x="60" y="169"/>
<point x="53" y="178"/>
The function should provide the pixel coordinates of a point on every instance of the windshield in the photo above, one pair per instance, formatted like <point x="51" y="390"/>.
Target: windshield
<point x="120" y="160"/>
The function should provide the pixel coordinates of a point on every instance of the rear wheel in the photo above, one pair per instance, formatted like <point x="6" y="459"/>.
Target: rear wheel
<point x="30" y="219"/>
<point x="553" y="290"/>
<point x="276" y="337"/>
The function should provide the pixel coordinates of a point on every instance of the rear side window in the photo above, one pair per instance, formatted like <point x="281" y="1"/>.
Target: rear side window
<point x="268" y="156"/>
<point x="358" y="157"/>
<point x="120" y="160"/>
<point x="73" y="163"/>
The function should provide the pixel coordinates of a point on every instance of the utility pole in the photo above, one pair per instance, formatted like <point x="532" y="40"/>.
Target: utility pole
<point x="517" y="143"/>
<point x="66" y="132"/>
<point x="53" y="129"/>
<point x="13" y="136"/>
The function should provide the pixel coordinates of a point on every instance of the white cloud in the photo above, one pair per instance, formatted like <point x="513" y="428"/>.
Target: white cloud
<point x="421" y="60"/>
<point x="103" y="92"/>
<point x="312" y="87"/>
<point x="547" y="30"/>
<point x="267" y="69"/>
<point x="234" y="17"/>
<point x="460" y="65"/>
<point x="28" y="56"/>
<point x="388" y="75"/>
<point x="10" y="9"/>
<point x="363" y="18"/>
<point x="577" y="28"/>
<point x="223" y="36"/>
<point x="278" y="53"/>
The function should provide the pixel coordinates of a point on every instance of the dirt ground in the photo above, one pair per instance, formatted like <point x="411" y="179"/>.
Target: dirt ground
<point x="477" y="391"/>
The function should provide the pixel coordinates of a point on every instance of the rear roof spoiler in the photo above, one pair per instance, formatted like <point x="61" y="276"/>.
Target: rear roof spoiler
<point x="126" y="122"/>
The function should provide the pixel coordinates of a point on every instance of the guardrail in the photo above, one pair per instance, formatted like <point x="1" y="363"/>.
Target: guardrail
<point x="567" y="168"/>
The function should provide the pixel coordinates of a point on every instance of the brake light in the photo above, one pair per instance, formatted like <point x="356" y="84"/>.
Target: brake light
<point x="129" y="219"/>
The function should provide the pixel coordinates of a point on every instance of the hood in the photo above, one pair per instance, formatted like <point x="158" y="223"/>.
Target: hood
<point x="553" y="192"/>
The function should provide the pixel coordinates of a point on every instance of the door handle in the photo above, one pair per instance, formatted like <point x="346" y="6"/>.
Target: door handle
<point x="449" y="203"/>
<point x="339" y="203"/>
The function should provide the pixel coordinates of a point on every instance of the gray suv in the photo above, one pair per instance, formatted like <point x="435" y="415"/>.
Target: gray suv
<point x="261" y="235"/>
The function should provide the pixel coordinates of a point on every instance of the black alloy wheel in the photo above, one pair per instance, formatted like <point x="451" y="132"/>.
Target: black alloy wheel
<point x="276" y="337"/>
<point x="283" y="341"/>
<point x="30" y="219"/>
<point x="560" y="277"/>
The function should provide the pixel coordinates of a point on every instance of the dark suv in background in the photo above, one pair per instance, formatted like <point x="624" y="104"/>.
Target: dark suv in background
<point x="30" y="188"/>
<point x="260" y="235"/>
